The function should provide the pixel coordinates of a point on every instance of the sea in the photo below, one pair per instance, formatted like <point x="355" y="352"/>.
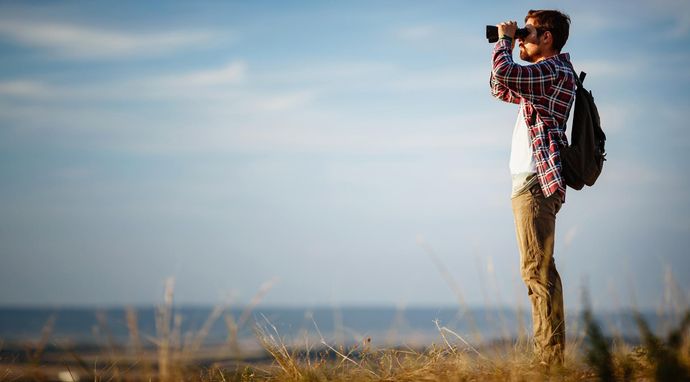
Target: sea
<point x="384" y="325"/>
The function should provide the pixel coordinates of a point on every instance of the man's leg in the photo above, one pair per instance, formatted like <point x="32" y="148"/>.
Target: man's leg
<point x="535" y="225"/>
<point x="557" y="311"/>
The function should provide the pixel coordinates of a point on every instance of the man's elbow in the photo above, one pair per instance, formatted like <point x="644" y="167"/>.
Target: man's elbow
<point x="500" y="73"/>
<point x="497" y="89"/>
<point x="502" y="69"/>
<point x="500" y="95"/>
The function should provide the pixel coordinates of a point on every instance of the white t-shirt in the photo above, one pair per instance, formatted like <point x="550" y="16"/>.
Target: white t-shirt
<point x="523" y="167"/>
<point x="521" y="154"/>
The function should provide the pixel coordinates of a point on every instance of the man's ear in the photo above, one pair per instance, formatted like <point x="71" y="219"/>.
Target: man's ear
<point x="547" y="37"/>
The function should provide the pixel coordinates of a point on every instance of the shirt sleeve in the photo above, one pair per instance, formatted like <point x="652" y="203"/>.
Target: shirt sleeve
<point x="529" y="82"/>
<point x="501" y="92"/>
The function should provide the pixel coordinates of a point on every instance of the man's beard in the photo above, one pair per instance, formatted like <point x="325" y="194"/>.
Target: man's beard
<point x="524" y="56"/>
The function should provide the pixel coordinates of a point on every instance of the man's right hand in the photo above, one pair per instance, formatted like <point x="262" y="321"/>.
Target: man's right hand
<point x="507" y="28"/>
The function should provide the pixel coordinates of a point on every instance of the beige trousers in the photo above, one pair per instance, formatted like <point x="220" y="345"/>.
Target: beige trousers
<point x="535" y="226"/>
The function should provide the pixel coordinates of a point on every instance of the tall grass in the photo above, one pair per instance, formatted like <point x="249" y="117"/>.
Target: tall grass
<point x="455" y="357"/>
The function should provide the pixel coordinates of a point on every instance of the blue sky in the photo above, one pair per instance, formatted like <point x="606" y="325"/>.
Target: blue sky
<point x="321" y="146"/>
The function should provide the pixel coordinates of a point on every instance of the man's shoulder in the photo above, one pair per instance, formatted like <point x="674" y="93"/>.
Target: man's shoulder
<point x="558" y="64"/>
<point x="561" y="64"/>
<point x="562" y="60"/>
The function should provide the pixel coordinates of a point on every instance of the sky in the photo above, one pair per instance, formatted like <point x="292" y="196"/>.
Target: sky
<point x="323" y="153"/>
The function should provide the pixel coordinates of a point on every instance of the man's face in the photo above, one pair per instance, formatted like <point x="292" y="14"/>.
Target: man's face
<point x="531" y="47"/>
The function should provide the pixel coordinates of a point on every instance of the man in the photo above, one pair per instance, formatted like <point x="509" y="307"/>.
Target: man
<point x="545" y="91"/>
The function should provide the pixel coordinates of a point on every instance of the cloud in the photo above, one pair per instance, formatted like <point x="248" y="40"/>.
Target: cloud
<point x="417" y="33"/>
<point x="221" y="92"/>
<point x="24" y="89"/>
<point x="327" y="72"/>
<point x="285" y="101"/>
<point x="675" y="14"/>
<point x="231" y="73"/>
<point x="320" y="132"/>
<point x="228" y="89"/>
<point x="82" y="42"/>
<point x="230" y="106"/>
<point x="442" y="79"/>
<point x="611" y="68"/>
<point x="441" y="37"/>
<point x="588" y="21"/>
<point x="233" y="83"/>
<point x="330" y="77"/>
<point x="183" y="84"/>
<point x="617" y="116"/>
<point x="249" y="121"/>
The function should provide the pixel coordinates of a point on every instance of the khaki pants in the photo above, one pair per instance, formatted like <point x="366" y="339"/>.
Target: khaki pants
<point x="535" y="226"/>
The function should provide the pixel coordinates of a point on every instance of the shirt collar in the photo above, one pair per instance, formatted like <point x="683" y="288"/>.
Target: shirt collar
<point x="560" y="56"/>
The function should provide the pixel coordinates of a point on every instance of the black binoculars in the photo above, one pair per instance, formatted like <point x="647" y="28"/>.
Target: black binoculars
<point x="492" y="33"/>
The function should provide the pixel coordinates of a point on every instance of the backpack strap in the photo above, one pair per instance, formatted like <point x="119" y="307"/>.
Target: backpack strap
<point x="579" y="80"/>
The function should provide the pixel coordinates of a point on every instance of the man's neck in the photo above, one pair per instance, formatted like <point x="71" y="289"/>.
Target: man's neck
<point x="548" y="55"/>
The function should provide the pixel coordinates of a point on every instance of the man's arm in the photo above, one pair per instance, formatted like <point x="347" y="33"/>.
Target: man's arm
<point x="498" y="90"/>
<point x="501" y="92"/>
<point x="529" y="82"/>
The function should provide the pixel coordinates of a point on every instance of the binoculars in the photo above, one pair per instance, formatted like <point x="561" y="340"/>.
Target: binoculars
<point x="492" y="33"/>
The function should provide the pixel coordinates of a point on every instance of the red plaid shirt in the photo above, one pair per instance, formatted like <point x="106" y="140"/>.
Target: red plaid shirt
<point x="545" y="92"/>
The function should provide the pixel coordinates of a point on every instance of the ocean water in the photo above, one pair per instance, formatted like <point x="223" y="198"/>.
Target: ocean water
<point x="384" y="325"/>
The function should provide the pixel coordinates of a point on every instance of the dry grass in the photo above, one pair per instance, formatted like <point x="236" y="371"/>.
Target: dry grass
<point x="589" y="357"/>
<point x="593" y="357"/>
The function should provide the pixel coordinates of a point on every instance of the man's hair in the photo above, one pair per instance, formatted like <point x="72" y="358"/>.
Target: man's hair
<point x="555" y="22"/>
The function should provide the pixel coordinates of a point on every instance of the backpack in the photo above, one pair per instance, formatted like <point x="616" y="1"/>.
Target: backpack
<point x="583" y="159"/>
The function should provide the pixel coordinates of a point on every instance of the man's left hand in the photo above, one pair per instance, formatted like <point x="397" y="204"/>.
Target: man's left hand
<point x="507" y="28"/>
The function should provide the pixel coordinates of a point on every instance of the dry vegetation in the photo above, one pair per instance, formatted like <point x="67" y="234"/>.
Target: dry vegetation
<point x="590" y="357"/>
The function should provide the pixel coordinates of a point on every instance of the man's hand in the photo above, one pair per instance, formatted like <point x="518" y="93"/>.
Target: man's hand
<point x="507" y="28"/>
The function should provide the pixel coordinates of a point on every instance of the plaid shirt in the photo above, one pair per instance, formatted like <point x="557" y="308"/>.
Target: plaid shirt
<point x="545" y="92"/>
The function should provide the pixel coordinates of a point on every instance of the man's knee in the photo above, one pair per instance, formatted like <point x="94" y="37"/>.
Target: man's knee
<point x="537" y="288"/>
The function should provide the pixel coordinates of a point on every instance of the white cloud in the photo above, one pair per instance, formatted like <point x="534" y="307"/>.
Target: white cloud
<point x="311" y="131"/>
<point x="228" y="89"/>
<point x="220" y="92"/>
<point x="184" y="84"/>
<point x="282" y="121"/>
<point x="286" y="101"/>
<point x="232" y="107"/>
<point x="442" y="79"/>
<point x="417" y="33"/>
<point x="610" y="68"/>
<point x="24" y="89"/>
<point x="327" y="72"/>
<point x="77" y="41"/>
<point x="232" y="73"/>
<point x="616" y="116"/>
<point x="234" y="84"/>
<point x="332" y="77"/>
<point x="635" y="173"/>
<point x="590" y="21"/>
<point x="440" y="37"/>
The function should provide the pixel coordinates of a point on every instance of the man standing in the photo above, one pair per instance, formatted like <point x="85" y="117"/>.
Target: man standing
<point x="545" y="91"/>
